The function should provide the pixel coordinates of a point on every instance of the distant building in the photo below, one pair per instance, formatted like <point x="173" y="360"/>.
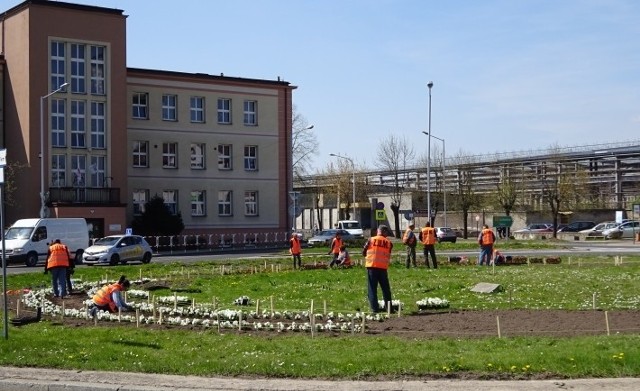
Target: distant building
<point x="217" y="149"/>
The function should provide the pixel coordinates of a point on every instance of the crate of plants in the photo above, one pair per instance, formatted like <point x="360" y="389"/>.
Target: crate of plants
<point x="396" y="305"/>
<point x="552" y="260"/>
<point x="517" y="260"/>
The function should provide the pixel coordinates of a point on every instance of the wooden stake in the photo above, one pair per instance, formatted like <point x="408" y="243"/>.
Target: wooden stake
<point x="312" y="320"/>
<point x="193" y="303"/>
<point x="18" y="307"/>
<point x="119" y="314"/>
<point x="324" y="303"/>
<point x="155" y="307"/>
<point x="160" y="318"/>
<point x="606" y="319"/>
<point x="140" y="274"/>
<point x="175" y="301"/>
<point x="62" y="314"/>
<point x="498" y="322"/>
<point x="271" y="297"/>
<point x="399" y="310"/>
<point x="240" y="320"/>
<point x="258" y="307"/>
<point x="594" y="300"/>
<point x="364" y="318"/>
<point x="137" y="317"/>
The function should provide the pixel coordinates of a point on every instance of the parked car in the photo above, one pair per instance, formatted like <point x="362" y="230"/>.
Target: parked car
<point x="624" y="230"/>
<point x="537" y="227"/>
<point x="118" y="249"/>
<point x="577" y="226"/>
<point x="324" y="237"/>
<point x="598" y="228"/>
<point x="446" y="234"/>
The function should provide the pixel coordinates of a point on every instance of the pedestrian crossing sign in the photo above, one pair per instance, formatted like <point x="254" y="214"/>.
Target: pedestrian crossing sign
<point x="380" y="215"/>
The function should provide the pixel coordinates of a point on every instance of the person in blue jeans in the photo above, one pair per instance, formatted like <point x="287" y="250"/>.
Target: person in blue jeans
<point x="486" y="238"/>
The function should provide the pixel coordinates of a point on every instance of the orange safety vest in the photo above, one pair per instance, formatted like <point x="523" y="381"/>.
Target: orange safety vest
<point x="336" y="243"/>
<point x="409" y="238"/>
<point x="58" y="257"/>
<point x="378" y="252"/>
<point x="428" y="235"/>
<point x="487" y="237"/>
<point x="295" y="246"/>
<point x="103" y="296"/>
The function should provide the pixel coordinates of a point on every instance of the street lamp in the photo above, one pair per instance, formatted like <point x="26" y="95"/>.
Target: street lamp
<point x="430" y="85"/>
<point x="353" y="173"/>
<point x="444" y="176"/>
<point x="42" y="194"/>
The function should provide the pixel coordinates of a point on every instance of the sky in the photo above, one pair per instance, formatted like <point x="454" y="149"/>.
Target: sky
<point x="508" y="76"/>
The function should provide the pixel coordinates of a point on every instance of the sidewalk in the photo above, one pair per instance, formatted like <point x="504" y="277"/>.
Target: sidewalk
<point x="34" y="379"/>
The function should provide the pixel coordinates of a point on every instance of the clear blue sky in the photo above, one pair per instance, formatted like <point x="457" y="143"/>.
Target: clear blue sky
<point x="508" y="75"/>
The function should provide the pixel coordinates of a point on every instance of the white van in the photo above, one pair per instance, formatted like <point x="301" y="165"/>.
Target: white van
<point x="351" y="226"/>
<point x="28" y="240"/>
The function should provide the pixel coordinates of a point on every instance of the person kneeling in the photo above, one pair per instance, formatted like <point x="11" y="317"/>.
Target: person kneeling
<point x="109" y="298"/>
<point x="344" y="259"/>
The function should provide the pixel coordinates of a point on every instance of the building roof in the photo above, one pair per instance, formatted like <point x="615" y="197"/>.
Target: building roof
<point x="206" y="76"/>
<point x="60" y="4"/>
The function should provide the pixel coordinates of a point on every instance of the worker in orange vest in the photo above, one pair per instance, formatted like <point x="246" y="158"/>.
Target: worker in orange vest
<point x="295" y="249"/>
<point x="57" y="263"/>
<point x="428" y="238"/>
<point x="486" y="238"/>
<point x="410" y="240"/>
<point x="377" y="253"/>
<point x="109" y="298"/>
<point x="334" y="248"/>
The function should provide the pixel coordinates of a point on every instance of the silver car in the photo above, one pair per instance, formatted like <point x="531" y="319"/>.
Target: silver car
<point x="624" y="230"/>
<point x="118" y="249"/>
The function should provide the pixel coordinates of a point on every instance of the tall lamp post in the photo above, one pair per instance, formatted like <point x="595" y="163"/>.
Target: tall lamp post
<point x="353" y="178"/>
<point x="430" y="85"/>
<point x="444" y="176"/>
<point x="42" y="194"/>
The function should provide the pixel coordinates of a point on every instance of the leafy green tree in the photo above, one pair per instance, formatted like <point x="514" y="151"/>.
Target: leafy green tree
<point x="157" y="220"/>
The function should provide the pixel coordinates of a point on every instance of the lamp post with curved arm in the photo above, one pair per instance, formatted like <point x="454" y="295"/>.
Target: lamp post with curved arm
<point x="444" y="177"/>
<point x="353" y="178"/>
<point x="430" y="85"/>
<point x="42" y="194"/>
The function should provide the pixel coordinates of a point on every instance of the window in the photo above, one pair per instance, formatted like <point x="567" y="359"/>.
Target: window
<point x="78" y="124"/>
<point x="58" y="124"/>
<point x="139" y="200"/>
<point x="78" y="72"/>
<point x="250" y="203"/>
<point x="97" y="70"/>
<point x="58" y="171"/>
<point x="97" y="171"/>
<point x="250" y="112"/>
<point x="169" y="103"/>
<point x="140" y="108"/>
<point x="198" y="203"/>
<point x="196" y="106"/>
<point x="224" y="203"/>
<point x="140" y="154"/>
<point x="57" y="64"/>
<point x="250" y="157"/>
<point x="169" y="155"/>
<point x="197" y="156"/>
<point x="224" y="157"/>
<point x="224" y="111"/>
<point x="78" y="169"/>
<point x="170" y="198"/>
<point x="98" y="120"/>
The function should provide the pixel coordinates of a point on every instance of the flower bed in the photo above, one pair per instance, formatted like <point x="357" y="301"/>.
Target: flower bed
<point x="432" y="303"/>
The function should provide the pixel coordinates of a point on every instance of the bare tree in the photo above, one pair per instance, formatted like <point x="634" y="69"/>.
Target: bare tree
<point x="304" y="144"/>
<point x="394" y="155"/>
<point x="466" y="196"/>
<point x="437" y="181"/>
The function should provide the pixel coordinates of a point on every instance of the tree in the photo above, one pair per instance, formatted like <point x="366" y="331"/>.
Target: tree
<point x="304" y="144"/>
<point x="157" y="220"/>
<point x="12" y="171"/>
<point x="465" y="197"/>
<point x="436" y="182"/>
<point x="394" y="155"/>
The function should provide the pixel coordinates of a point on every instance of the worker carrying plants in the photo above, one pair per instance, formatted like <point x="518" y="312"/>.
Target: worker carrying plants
<point x="109" y="298"/>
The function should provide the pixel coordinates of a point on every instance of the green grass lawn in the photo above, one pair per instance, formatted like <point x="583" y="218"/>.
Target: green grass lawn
<point x="207" y="352"/>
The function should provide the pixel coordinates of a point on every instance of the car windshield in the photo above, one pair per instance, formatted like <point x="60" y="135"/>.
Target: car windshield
<point x="353" y="225"/>
<point x="445" y="229"/>
<point x="327" y="233"/>
<point x="108" y="241"/>
<point x="18" y="233"/>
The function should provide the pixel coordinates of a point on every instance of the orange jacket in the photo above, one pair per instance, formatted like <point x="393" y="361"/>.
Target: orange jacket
<point x="428" y="235"/>
<point x="378" y="252"/>
<point x="103" y="296"/>
<point x="336" y="243"/>
<point x="58" y="256"/>
<point x="487" y="237"/>
<point x="294" y="246"/>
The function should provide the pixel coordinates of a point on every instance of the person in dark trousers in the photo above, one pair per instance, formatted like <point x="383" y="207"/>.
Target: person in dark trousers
<point x="109" y="298"/>
<point x="377" y="253"/>
<point x="410" y="240"/>
<point x="295" y="248"/>
<point x="428" y="238"/>
<point x="57" y="263"/>
<point x="334" y="248"/>
<point x="486" y="238"/>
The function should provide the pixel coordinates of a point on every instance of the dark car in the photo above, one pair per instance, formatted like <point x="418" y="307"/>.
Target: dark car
<point x="577" y="226"/>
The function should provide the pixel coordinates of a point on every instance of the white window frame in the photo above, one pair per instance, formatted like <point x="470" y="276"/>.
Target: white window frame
<point x="98" y="54"/>
<point x="169" y="155"/>
<point x="169" y="107"/>
<point x="196" y="109"/>
<point x="78" y="124"/>
<point x="225" y="160"/>
<point x="140" y="198"/>
<point x="250" y="112"/>
<point x="224" y="111"/>
<point x="78" y="68"/>
<point x="98" y="125"/>
<point x="140" y="105"/>
<point x="57" y="64"/>
<point x="251" y="158"/>
<point x="58" y="170"/>
<point x="170" y="198"/>
<point x="225" y="203"/>
<point x="198" y="203"/>
<point x="58" y="123"/>
<point x="97" y="171"/>
<point x="79" y="170"/>
<point x="198" y="158"/>
<point x="251" y="203"/>
<point x="140" y="154"/>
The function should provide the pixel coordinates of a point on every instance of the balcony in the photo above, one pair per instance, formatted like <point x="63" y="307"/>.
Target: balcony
<point x="84" y="195"/>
